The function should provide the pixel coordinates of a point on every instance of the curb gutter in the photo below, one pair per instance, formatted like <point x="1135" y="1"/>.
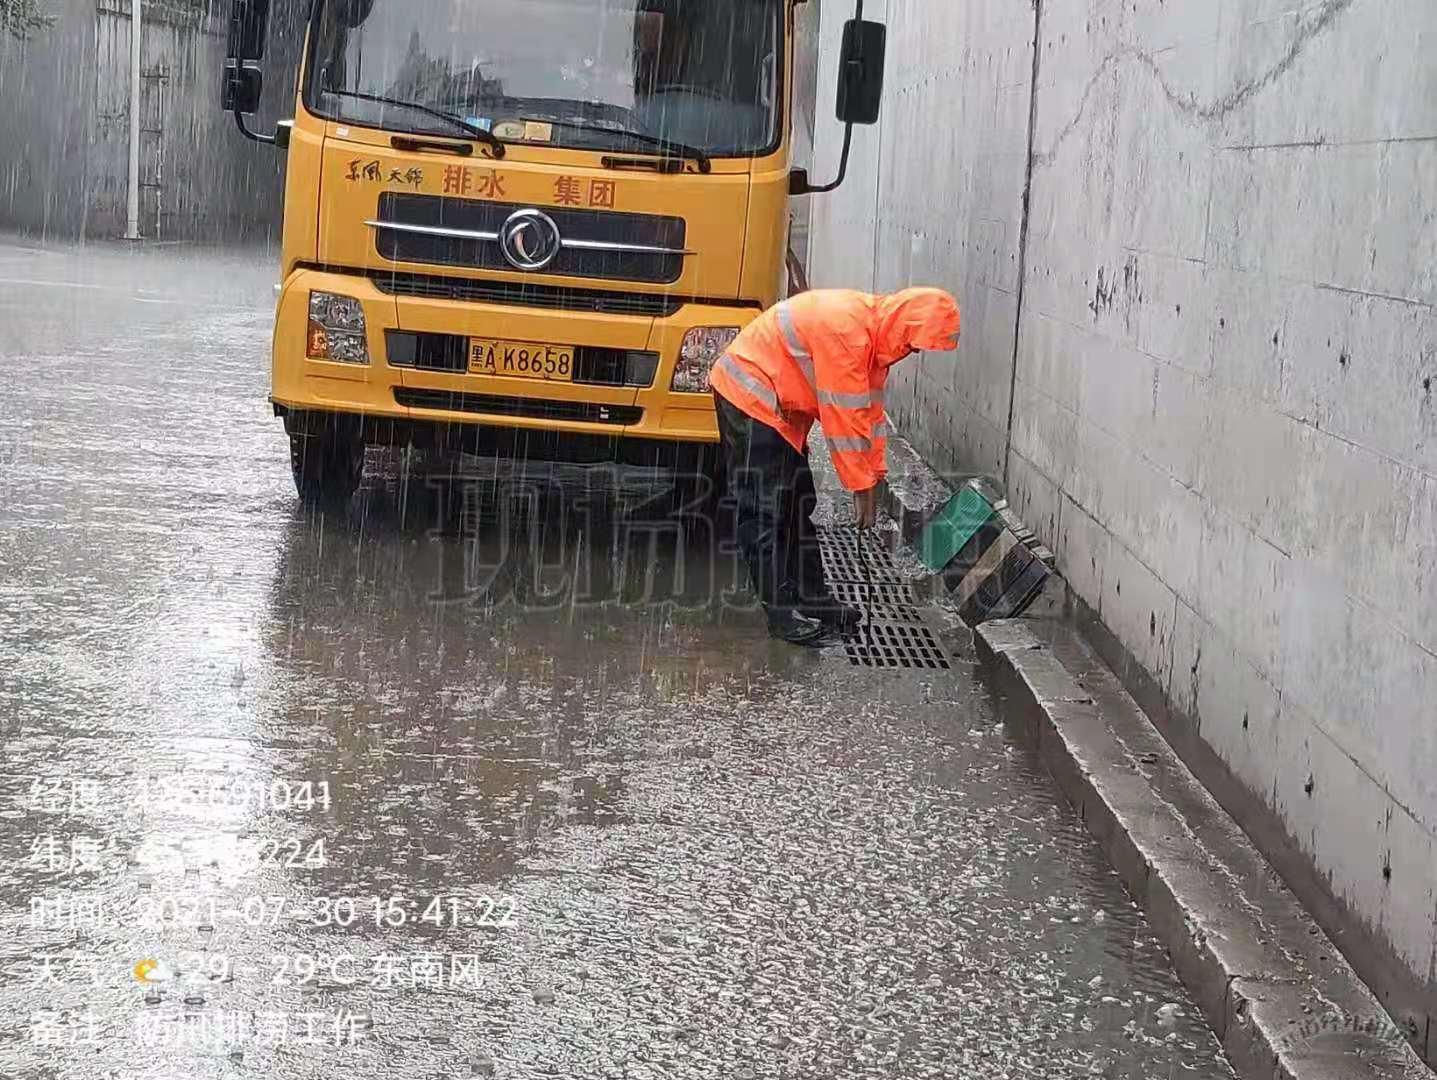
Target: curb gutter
<point x="1281" y="998"/>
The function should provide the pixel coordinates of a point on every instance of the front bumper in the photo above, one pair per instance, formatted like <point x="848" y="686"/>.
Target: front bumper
<point x="382" y="392"/>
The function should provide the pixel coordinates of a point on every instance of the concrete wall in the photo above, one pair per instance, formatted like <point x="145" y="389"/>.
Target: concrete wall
<point x="1220" y="410"/>
<point x="65" y="125"/>
<point x="807" y="20"/>
<point x="934" y="195"/>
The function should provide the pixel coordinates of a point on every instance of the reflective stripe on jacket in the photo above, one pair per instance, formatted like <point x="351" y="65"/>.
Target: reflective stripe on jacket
<point x="824" y="356"/>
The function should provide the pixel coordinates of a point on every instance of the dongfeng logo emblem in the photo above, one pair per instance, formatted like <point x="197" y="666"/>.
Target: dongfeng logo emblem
<point x="530" y="240"/>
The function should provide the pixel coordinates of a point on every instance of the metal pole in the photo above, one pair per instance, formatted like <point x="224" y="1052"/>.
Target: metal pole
<point x="132" y="229"/>
<point x="868" y="600"/>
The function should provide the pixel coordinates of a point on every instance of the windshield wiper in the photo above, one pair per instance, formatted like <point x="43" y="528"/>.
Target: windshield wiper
<point x="491" y="140"/>
<point x="665" y="146"/>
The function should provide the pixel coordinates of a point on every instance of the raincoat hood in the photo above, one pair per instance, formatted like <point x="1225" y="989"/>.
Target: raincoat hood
<point x="915" y="319"/>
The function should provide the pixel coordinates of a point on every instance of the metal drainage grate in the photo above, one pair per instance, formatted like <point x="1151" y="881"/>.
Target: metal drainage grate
<point x="884" y="601"/>
<point x="849" y="536"/>
<point x="886" y="645"/>
<point x="842" y="561"/>
<point x="893" y="634"/>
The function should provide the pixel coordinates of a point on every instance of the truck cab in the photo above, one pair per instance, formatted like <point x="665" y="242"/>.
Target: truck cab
<point x="525" y="227"/>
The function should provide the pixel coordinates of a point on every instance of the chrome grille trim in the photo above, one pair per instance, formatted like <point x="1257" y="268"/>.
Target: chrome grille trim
<point x="492" y="237"/>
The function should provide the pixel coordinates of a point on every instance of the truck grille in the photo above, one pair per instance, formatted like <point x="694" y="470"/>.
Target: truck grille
<point x="475" y="216"/>
<point x="535" y="408"/>
<point x="518" y="294"/>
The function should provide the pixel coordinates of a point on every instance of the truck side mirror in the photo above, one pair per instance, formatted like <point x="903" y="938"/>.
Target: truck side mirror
<point x="243" y="73"/>
<point x="860" y="71"/>
<point x="860" y="93"/>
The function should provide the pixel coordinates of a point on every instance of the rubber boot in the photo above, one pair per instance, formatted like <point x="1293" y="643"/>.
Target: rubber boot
<point x="839" y="617"/>
<point x="791" y="625"/>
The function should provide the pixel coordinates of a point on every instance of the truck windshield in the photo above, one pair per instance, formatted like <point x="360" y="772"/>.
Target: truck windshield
<point x="575" y="73"/>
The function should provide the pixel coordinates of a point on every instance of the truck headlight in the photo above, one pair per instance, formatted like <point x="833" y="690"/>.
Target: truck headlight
<point x="336" y="329"/>
<point x="702" y="347"/>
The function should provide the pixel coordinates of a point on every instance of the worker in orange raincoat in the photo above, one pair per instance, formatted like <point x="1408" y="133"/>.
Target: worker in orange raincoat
<point x="822" y="355"/>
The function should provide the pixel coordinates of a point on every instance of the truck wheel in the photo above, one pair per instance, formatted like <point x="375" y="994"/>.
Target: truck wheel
<point x="327" y="467"/>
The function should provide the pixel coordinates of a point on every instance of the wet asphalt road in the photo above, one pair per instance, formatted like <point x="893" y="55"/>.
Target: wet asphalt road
<point x="382" y="794"/>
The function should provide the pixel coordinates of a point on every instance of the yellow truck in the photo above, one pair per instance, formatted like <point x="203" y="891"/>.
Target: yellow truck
<point x="528" y="227"/>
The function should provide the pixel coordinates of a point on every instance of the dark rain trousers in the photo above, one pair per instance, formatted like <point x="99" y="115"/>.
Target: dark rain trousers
<point x="772" y="487"/>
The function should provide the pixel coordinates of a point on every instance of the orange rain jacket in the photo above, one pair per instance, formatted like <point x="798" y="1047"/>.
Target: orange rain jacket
<point x="824" y="355"/>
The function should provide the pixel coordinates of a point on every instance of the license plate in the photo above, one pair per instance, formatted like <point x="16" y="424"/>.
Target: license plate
<point x="521" y="359"/>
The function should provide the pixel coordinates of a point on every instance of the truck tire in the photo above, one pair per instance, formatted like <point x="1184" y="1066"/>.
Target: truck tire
<point x="327" y="467"/>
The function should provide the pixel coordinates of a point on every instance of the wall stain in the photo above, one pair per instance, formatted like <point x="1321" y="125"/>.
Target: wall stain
<point x="1195" y="678"/>
<point x="1108" y="290"/>
<point x="1103" y="295"/>
<point x="1309" y="28"/>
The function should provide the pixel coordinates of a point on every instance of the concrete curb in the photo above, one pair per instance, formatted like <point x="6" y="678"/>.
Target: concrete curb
<point x="1280" y="997"/>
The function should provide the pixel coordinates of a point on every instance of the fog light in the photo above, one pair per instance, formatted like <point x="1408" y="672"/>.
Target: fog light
<point x="701" y="348"/>
<point x="336" y="329"/>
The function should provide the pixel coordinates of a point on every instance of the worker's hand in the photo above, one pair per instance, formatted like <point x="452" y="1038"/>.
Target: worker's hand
<point x="865" y="507"/>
